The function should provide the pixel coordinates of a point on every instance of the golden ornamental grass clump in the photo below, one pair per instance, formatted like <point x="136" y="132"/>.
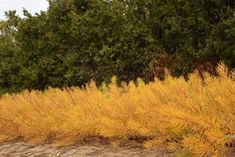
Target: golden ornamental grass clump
<point x="194" y="115"/>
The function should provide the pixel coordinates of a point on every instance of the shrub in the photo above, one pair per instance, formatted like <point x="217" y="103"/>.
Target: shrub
<point x="192" y="116"/>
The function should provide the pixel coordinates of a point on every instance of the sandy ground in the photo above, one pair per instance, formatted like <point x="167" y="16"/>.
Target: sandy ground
<point x="26" y="150"/>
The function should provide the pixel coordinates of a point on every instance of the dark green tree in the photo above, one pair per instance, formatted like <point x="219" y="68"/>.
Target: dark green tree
<point x="75" y="41"/>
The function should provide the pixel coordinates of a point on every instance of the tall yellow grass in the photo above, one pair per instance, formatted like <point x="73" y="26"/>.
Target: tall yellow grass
<point x="192" y="115"/>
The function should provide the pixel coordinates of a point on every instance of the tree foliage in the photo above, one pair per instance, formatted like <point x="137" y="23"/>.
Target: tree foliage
<point x="75" y="41"/>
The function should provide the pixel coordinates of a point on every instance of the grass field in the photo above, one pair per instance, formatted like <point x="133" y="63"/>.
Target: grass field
<point x="193" y="116"/>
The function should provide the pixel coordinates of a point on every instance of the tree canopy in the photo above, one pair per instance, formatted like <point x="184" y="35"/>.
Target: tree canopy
<point x="75" y="41"/>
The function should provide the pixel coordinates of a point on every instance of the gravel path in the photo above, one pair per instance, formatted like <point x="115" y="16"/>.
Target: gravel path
<point x="26" y="150"/>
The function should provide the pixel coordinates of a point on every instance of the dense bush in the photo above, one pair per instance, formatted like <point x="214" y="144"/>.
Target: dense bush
<point x="79" y="40"/>
<point x="193" y="116"/>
